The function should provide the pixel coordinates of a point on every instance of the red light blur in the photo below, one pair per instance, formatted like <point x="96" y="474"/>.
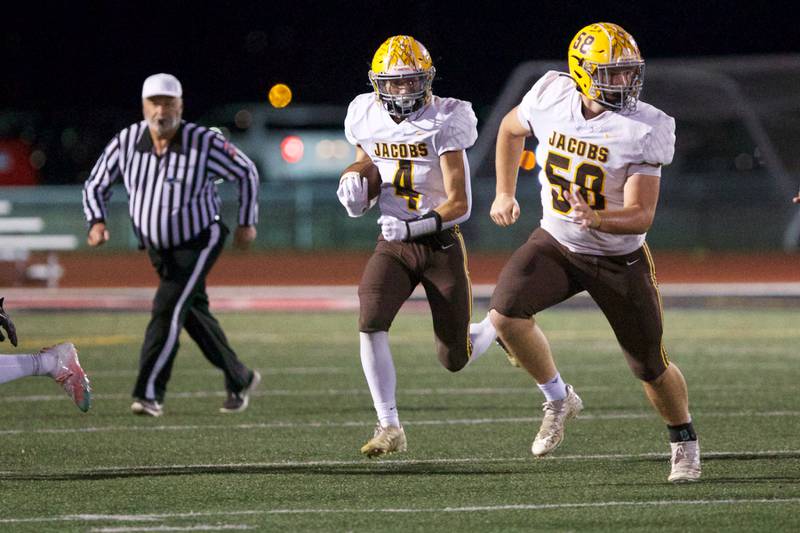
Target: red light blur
<point x="292" y="149"/>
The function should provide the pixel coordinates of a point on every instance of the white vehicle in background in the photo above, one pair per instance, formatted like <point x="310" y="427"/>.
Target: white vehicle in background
<point x="298" y="142"/>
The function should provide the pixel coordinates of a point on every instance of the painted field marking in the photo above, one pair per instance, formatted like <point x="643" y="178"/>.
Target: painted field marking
<point x="362" y="391"/>
<point x="362" y="424"/>
<point x="392" y="510"/>
<point x="196" y="527"/>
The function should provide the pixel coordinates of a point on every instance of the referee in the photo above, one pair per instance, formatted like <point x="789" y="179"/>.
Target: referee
<point x="169" y="168"/>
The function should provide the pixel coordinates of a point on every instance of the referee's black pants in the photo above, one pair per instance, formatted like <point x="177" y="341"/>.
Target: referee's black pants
<point x="181" y="302"/>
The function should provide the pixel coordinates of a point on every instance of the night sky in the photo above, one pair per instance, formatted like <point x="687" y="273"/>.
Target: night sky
<point x="74" y="55"/>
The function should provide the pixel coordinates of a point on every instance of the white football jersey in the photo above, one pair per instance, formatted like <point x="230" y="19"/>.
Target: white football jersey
<point x="407" y="154"/>
<point x="595" y="156"/>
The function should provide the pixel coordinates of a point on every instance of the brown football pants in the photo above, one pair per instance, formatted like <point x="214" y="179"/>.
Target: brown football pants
<point x="440" y="264"/>
<point x="542" y="273"/>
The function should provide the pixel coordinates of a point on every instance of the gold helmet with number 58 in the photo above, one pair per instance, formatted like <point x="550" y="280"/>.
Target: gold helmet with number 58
<point x="402" y="74"/>
<point x="605" y="62"/>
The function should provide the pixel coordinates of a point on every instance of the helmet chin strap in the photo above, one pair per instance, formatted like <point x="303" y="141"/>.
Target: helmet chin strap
<point x="397" y="109"/>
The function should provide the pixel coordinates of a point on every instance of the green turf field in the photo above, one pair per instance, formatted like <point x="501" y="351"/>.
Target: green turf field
<point x="291" y="461"/>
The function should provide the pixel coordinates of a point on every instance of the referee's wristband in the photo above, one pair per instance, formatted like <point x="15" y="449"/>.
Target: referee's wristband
<point x="427" y="224"/>
<point x="94" y="221"/>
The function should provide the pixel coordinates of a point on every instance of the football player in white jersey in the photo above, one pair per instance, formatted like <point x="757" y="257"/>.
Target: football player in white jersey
<point x="59" y="362"/>
<point x="601" y="150"/>
<point x="417" y="141"/>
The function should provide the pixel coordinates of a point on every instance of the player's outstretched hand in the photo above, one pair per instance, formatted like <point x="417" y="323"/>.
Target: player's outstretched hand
<point x="796" y="199"/>
<point x="581" y="212"/>
<point x="7" y="324"/>
<point x="505" y="210"/>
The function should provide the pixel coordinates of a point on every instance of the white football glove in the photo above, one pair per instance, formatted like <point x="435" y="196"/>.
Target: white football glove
<point x="353" y="193"/>
<point x="393" y="229"/>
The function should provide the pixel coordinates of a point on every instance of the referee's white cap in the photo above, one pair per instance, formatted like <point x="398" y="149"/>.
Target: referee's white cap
<point x="162" y="85"/>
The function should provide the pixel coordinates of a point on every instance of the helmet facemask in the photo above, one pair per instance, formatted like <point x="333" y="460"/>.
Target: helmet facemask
<point x="403" y="93"/>
<point x="615" y="96"/>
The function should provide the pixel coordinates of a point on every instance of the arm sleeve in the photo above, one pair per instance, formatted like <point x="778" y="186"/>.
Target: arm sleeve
<point x="228" y="162"/>
<point x="97" y="189"/>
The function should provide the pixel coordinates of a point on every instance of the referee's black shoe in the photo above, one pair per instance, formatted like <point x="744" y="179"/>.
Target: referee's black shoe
<point x="236" y="402"/>
<point x="146" y="407"/>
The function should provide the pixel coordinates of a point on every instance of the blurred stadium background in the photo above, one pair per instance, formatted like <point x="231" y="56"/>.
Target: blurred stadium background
<point x="725" y="231"/>
<point x="728" y="189"/>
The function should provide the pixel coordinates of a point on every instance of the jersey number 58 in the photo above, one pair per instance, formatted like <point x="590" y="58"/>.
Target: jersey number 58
<point x="587" y="178"/>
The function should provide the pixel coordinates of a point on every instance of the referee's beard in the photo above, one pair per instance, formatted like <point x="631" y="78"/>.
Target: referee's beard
<point x="164" y="127"/>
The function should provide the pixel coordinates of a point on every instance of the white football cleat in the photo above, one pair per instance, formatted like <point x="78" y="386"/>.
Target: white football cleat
<point x="385" y="440"/>
<point x="556" y="413"/>
<point x="69" y="374"/>
<point x="685" y="461"/>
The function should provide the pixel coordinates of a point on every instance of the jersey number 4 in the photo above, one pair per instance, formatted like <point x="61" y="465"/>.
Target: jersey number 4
<point x="404" y="183"/>
<point x="587" y="178"/>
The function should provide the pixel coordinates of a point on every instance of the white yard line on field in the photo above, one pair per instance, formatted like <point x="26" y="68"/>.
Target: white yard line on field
<point x="427" y="391"/>
<point x="197" y="527"/>
<point x="211" y="371"/>
<point x="362" y="424"/>
<point x="463" y="509"/>
<point x="293" y="392"/>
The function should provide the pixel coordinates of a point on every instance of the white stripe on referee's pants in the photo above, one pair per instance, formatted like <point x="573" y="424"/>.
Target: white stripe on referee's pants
<point x="174" y="327"/>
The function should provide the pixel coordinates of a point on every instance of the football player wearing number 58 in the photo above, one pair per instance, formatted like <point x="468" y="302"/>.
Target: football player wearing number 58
<point x="601" y="150"/>
<point x="417" y="141"/>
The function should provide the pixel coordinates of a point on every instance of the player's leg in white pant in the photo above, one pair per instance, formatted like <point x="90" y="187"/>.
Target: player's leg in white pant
<point x="60" y="362"/>
<point x="482" y="334"/>
<point x="23" y="365"/>
<point x="376" y="360"/>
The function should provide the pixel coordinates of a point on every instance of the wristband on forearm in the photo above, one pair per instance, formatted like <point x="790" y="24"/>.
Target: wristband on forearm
<point x="427" y="224"/>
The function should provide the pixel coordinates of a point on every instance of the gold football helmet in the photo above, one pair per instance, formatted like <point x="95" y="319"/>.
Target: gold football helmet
<point x="605" y="62"/>
<point x="402" y="74"/>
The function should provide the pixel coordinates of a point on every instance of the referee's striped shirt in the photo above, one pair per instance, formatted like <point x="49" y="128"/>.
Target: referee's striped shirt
<point x="172" y="197"/>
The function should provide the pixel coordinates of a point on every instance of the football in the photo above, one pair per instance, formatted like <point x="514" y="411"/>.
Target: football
<point x="367" y="169"/>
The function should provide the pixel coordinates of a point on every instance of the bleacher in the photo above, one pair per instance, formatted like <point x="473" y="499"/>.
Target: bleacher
<point x="729" y="187"/>
<point x="21" y="238"/>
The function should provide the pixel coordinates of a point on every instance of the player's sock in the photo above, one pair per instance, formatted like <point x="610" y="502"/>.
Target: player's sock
<point x="682" y="432"/>
<point x="481" y="335"/>
<point x="376" y="360"/>
<point x="387" y="414"/>
<point x="19" y="366"/>
<point x="555" y="389"/>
